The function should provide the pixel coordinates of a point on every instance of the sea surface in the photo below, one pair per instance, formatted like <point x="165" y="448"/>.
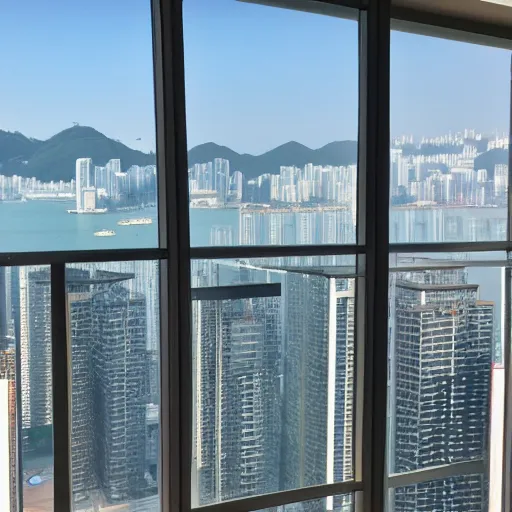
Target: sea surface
<point x="37" y="226"/>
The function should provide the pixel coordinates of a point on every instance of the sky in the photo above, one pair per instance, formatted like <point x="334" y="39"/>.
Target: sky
<point x="256" y="76"/>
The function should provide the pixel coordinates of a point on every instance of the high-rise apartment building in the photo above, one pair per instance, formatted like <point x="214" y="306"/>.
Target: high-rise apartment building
<point x="500" y="180"/>
<point x="112" y="167"/>
<point x="8" y="422"/>
<point x="80" y="335"/>
<point x="120" y="385"/>
<point x="35" y="347"/>
<point x="221" y="235"/>
<point x="221" y="178"/>
<point x="318" y="382"/>
<point x="84" y="180"/>
<point x="100" y="177"/>
<point x="440" y="367"/>
<point x="236" y="398"/>
<point x="300" y="226"/>
<point x="107" y="336"/>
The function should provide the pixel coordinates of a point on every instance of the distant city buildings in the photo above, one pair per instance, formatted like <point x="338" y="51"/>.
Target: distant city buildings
<point x="437" y="171"/>
<point x="290" y="226"/>
<point x="17" y="188"/>
<point x="94" y="188"/>
<point x="108" y="186"/>
<point x="445" y="171"/>
<point x="212" y="184"/>
<point x="85" y="191"/>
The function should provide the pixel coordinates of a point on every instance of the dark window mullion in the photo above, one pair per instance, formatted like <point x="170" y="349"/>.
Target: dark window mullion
<point x="21" y="259"/>
<point x="176" y="355"/>
<point x="374" y="99"/>
<point x="60" y="391"/>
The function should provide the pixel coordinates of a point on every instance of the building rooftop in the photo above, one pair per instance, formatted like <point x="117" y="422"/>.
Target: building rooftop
<point x="436" y="287"/>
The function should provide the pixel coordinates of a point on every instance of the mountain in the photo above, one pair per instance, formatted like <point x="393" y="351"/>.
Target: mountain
<point x="489" y="159"/>
<point x="14" y="145"/>
<point x="55" y="158"/>
<point x="291" y="153"/>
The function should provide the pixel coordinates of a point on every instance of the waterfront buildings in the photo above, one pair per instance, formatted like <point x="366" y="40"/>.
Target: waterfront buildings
<point x="84" y="182"/>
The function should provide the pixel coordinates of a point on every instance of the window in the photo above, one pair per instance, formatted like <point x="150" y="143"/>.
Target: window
<point x="448" y="319"/>
<point x="78" y="160"/>
<point x="274" y="379"/>
<point x="271" y="124"/>
<point x="449" y="148"/>
<point x="255" y="255"/>
<point x="465" y="492"/>
<point x="445" y="379"/>
<point x="113" y="336"/>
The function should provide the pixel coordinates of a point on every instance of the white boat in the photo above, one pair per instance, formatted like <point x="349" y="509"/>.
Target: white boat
<point x="135" y="222"/>
<point x="105" y="232"/>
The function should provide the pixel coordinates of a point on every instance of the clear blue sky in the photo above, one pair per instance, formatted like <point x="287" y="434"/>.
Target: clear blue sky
<point x="256" y="76"/>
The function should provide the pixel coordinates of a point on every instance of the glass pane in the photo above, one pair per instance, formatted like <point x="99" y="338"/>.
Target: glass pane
<point x="113" y="314"/>
<point x="272" y="122"/>
<point x="449" y="149"/>
<point x="466" y="493"/>
<point x="446" y="351"/>
<point x="9" y="406"/>
<point x="230" y="272"/>
<point x="340" y="503"/>
<point x="402" y="261"/>
<point x="77" y="164"/>
<point x="257" y="427"/>
<point x="26" y="439"/>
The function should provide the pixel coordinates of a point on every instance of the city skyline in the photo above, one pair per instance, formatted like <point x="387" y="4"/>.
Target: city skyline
<point x="495" y="137"/>
<point x="281" y="345"/>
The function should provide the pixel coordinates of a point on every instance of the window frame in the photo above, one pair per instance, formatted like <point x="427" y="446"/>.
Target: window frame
<point x="371" y="483"/>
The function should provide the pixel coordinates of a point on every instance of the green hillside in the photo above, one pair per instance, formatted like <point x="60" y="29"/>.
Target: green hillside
<point x="55" y="158"/>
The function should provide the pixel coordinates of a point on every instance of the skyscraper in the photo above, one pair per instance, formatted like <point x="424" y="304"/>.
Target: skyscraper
<point x="35" y="347"/>
<point x="221" y="178"/>
<point x="107" y="337"/>
<point x="84" y="180"/>
<point x="113" y="167"/>
<point x="237" y="399"/>
<point x="100" y="178"/>
<point x="318" y="382"/>
<point x="81" y="336"/>
<point x="119" y="387"/>
<point x="439" y="385"/>
<point x="221" y="235"/>
<point x="8" y="422"/>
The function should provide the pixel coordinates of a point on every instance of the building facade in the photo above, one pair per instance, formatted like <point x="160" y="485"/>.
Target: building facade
<point x="236" y="398"/>
<point x="318" y="384"/>
<point x="440" y="368"/>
